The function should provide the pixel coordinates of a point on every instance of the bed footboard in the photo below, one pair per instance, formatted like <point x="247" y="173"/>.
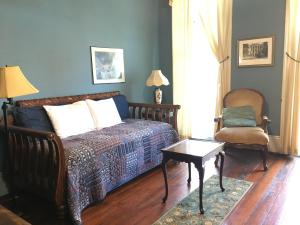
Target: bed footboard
<point x="38" y="164"/>
<point x="159" y="112"/>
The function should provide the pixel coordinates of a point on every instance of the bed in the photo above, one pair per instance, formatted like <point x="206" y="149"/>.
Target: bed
<point x="77" y="171"/>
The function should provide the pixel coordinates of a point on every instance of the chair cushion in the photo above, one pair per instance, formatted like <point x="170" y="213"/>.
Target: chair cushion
<point x="243" y="135"/>
<point x="244" y="96"/>
<point x="122" y="106"/>
<point x="243" y="116"/>
<point x="33" y="117"/>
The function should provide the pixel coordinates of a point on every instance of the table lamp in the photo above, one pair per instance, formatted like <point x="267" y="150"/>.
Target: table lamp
<point x="157" y="79"/>
<point x="12" y="84"/>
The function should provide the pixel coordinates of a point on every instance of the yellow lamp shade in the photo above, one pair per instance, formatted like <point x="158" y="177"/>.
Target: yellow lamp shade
<point x="13" y="83"/>
<point x="157" y="79"/>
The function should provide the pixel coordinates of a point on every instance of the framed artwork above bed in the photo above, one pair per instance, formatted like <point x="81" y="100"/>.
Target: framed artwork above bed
<point x="108" y="65"/>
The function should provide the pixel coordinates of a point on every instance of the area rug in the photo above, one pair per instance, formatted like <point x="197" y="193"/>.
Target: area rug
<point x="217" y="204"/>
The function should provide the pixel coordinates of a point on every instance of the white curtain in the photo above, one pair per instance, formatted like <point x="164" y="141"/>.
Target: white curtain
<point x="196" y="83"/>
<point x="290" y="105"/>
<point x="218" y="30"/>
<point x="182" y="63"/>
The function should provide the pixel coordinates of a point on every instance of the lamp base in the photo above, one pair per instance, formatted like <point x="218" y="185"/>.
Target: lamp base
<point x="158" y="96"/>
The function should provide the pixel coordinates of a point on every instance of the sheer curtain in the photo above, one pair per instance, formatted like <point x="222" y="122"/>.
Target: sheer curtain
<point x="182" y="64"/>
<point x="196" y="80"/>
<point x="218" y="30"/>
<point x="290" y="105"/>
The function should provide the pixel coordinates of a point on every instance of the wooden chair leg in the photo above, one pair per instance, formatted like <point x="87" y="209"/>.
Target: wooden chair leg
<point x="264" y="152"/>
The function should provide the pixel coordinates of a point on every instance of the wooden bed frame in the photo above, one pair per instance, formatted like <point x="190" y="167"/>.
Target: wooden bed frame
<point x="37" y="157"/>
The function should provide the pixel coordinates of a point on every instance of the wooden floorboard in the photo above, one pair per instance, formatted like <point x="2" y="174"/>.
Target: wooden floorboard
<point x="272" y="200"/>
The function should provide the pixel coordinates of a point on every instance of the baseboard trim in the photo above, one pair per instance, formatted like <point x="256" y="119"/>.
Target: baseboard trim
<point x="275" y="144"/>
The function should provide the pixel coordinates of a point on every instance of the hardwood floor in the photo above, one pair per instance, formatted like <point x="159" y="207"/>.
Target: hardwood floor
<point x="273" y="198"/>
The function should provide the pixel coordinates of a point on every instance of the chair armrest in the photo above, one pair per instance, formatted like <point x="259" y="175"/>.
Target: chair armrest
<point x="265" y="123"/>
<point x="158" y="112"/>
<point x="218" y="120"/>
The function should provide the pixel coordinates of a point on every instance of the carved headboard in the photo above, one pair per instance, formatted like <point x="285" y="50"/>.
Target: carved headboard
<point x="65" y="99"/>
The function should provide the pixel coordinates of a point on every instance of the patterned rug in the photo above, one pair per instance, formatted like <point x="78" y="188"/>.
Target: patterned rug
<point x="217" y="204"/>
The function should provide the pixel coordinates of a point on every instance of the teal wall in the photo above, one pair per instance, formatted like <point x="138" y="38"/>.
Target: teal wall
<point x="50" y="40"/>
<point x="256" y="18"/>
<point x="165" y="44"/>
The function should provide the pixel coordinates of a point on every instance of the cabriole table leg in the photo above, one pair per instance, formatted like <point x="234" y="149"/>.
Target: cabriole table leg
<point x="163" y="166"/>
<point x="201" y="171"/>
<point x="189" y="179"/>
<point x="221" y="170"/>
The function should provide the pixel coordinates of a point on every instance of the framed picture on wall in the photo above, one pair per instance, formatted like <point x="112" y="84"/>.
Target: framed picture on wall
<point x="108" y="65"/>
<point x="255" y="52"/>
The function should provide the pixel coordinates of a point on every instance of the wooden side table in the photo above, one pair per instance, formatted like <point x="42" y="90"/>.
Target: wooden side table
<point x="193" y="151"/>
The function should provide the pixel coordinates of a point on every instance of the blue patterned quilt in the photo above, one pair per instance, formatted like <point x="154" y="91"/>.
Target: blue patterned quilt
<point x="100" y="161"/>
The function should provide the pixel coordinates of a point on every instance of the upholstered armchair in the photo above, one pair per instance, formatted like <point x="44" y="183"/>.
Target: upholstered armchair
<point x="251" y="133"/>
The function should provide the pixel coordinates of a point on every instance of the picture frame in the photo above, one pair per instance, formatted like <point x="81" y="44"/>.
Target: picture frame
<point x="107" y="65"/>
<point x="253" y="52"/>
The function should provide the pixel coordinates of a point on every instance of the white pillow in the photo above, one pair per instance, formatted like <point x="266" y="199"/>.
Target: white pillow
<point x="70" y="119"/>
<point x="104" y="112"/>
